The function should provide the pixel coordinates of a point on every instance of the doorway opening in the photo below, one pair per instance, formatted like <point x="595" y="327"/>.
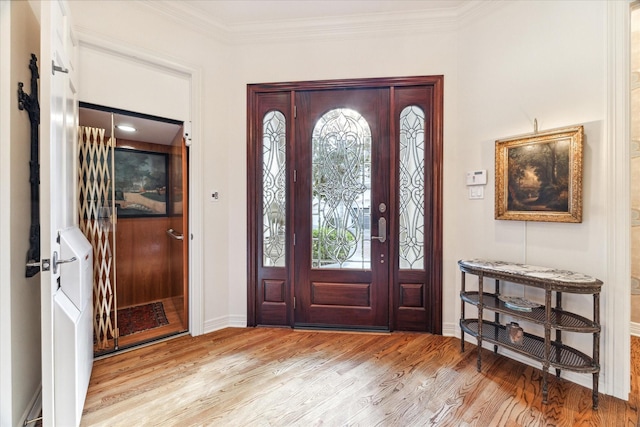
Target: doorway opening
<point x="133" y="193"/>
<point x="345" y="204"/>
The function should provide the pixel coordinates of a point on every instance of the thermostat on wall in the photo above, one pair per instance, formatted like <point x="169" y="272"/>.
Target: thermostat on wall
<point x="478" y="177"/>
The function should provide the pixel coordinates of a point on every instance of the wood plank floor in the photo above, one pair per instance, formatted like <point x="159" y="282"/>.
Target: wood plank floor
<point x="281" y="377"/>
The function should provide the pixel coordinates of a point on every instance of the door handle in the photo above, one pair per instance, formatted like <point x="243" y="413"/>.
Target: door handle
<point x="172" y="233"/>
<point x="56" y="262"/>
<point x="382" y="230"/>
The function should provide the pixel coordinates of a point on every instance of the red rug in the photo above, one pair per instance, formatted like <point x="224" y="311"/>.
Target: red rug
<point x="140" y="318"/>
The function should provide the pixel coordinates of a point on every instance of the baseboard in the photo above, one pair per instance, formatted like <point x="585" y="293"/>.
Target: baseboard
<point x="240" y="321"/>
<point x="634" y="329"/>
<point x="232" y="321"/>
<point x="450" y="330"/>
<point x="237" y="321"/>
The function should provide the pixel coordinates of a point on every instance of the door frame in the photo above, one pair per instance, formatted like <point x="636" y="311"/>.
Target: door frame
<point x="193" y="127"/>
<point x="177" y="146"/>
<point x="434" y="212"/>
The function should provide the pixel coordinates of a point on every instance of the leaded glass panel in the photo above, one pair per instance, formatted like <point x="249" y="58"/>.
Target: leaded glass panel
<point x="341" y="189"/>
<point x="411" y="212"/>
<point x="273" y="189"/>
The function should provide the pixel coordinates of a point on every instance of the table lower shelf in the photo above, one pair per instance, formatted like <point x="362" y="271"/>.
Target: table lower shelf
<point x="560" y="356"/>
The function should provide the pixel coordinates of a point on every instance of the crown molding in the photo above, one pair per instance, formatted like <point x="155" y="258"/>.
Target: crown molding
<point x="476" y="10"/>
<point x="183" y="14"/>
<point x="377" y="24"/>
<point x="341" y="27"/>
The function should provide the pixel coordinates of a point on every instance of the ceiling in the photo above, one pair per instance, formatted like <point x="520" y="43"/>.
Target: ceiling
<point x="147" y="130"/>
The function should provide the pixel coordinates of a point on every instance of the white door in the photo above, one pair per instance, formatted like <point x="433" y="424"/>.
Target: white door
<point x="58" y="140"/>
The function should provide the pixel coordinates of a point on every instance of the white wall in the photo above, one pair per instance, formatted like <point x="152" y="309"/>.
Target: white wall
<point x="20" y="365"/>
<point x="503" y="68"/>
<point x="519" y="64"/>
<point x="525" y="62"/>
<point x="134" y="84"/>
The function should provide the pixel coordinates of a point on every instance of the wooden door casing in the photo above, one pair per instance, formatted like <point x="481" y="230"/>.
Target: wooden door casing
<point x="272" y="295"/>
<point x="417" y="293"/>
<point x="415" y="297"/>
<point x="179" y="249"/>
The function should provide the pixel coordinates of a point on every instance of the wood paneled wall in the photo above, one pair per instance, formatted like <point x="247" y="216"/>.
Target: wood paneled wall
<point x="146" y="270"/>
<point x="142" y="260"/>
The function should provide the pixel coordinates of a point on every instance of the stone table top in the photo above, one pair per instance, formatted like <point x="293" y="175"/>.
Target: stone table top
<point x="529" y="271"/>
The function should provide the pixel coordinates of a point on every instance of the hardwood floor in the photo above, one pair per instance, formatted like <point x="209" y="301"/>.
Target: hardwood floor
<point x="281" y="377"/>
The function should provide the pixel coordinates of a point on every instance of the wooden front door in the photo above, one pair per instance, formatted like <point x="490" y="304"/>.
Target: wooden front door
<point x="345" y="204"/>
<point x="342" y="193"/>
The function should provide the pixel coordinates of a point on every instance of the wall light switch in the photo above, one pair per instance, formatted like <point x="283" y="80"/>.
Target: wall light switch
<point x="214" y="196"/>
<point x="476" y="192"/>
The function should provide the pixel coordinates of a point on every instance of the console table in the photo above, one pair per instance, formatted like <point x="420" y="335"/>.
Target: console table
<point x="550" y="352"/>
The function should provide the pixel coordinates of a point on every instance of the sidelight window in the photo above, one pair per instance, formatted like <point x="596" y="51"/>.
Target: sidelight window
<point x="273" y="189"/>
<point x="412" y="188"/>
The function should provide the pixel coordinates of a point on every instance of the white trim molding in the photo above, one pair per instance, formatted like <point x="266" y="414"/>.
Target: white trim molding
<point x="634" y="329"/>
<point x="222" y="322"/>
<point x="451" y="329"/>
<point x="89" y="39"/>
<point x="435" y="20"/>
<point x="6" y="96"/>
<point x="617" y="288"/>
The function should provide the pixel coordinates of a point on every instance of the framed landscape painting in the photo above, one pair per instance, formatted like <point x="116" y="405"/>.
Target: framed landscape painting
<point x="141" y="183"/>
<point x="539" y="176"/>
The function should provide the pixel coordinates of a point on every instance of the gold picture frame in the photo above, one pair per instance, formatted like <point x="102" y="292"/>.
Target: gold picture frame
<point x="539" y="176"/>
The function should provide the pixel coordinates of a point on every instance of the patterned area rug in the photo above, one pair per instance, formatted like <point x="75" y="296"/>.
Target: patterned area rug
<point x="141" y="318"/>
